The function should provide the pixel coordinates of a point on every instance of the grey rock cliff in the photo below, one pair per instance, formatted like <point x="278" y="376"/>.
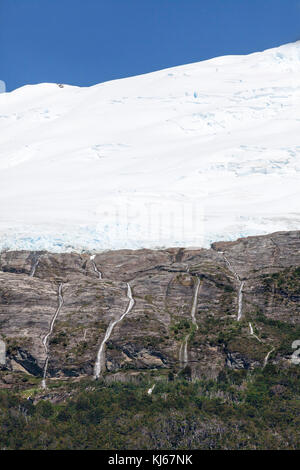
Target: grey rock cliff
<point x="260" y="276"/>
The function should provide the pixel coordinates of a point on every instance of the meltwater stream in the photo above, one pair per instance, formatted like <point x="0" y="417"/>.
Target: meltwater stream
<point x="35" y="265"/>
<point x="194" y="307"/>
<point x="46" y="338"/>
<point x="95" y="267"/>
<point x="253" y="334"/>
<point x="267" y="357"/>
<point x="183" y="351"/>
<point x="242" y="283"/>
<point x="100" y="358"/>
<point x="150" y="390"/>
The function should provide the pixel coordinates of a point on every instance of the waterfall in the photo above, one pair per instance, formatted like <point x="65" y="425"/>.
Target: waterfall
<point x="2" y="353"/>
<point x="95" y="267"/>
<point x="267" y="357"/>
<point x="150" y="390"/>
<point x="194" y="307"/>
<point x="183" y="351"/>
<point x="242" y="283"/>
<point x="100" y="355"/>
<point x="253" y="334"/>
<point x="33" y="269"/>
<point x="46" y="338"/>
<point x="258" y="339"/>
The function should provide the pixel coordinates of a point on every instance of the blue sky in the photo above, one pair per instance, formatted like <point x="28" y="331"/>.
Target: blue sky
<point x="83" y="42"/>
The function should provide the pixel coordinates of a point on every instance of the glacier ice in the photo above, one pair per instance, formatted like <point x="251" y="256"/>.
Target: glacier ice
<point x="180" y="157"/>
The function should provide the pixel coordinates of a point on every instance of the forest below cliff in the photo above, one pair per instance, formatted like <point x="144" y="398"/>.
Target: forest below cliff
<point x="241" y="410"/>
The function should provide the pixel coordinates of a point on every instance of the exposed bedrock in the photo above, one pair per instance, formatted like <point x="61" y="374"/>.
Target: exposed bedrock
<point x="184" y="317"/>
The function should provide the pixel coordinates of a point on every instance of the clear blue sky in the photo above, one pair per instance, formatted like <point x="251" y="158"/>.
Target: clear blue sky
<point x="83" y="42"/>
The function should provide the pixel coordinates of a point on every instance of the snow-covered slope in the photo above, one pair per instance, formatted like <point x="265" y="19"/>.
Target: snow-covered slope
<point x="183" y="156"/>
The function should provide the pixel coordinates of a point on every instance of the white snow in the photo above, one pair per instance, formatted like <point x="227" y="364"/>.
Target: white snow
<point x="184" y="156"/>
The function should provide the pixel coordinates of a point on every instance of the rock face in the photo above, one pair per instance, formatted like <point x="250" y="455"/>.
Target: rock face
<point x="256" y="277"/>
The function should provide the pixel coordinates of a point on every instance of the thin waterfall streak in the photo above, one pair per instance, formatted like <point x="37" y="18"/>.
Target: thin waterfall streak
<point x="242" y="283"/>
<point x="96" y="270"/>
<point x="150" y="390"/>
<point x="33" y="269"/>
<point x="99" y="273"/>
<point x="267" y="357"/>
<point x="231" y="268"/>
<point x="195" y="300"/>
<point x="253" y="334"/>
<point x="109" y="331"/>
<point x="258" y="339"/>
<point x="183" y="352"/>
<point x="46" y="338"/>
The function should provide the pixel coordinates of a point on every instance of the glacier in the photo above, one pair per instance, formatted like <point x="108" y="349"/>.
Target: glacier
<point x="179" y="157"/>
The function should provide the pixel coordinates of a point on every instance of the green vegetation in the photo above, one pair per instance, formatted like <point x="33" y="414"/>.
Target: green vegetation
<point x="283" y="334"/>
<point x="181" y="328"/>
<point x="239" y="410"/>
<point x="286" y="283"/>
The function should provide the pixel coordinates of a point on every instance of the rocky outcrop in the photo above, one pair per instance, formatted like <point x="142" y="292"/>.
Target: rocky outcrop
<point x="165" y="318"/>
